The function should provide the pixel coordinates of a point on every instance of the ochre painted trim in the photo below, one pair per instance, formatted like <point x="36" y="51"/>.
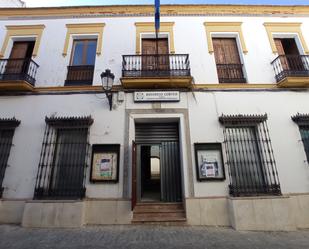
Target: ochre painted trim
<point x="159" y="82"/>
<point x="68" y="88"/>
<point x="224" y="27"/>
<point x="84" y="28"/>
<point x="148" y="27"/>
<point x="273" y="27"/>
<point x="234" y="86"/>
<point x="15" y="85"/>
<point x="23" y="30"/>
<point x="290" y="81"/>
<point x="178" y="9"/>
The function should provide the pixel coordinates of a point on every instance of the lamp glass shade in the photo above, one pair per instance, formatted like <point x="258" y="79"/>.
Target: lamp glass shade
<point x="107" y="80"/>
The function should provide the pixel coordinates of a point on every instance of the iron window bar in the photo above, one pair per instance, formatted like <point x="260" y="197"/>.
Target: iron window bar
<point x="156" y="65"/>
<point x="290" y="65"/>
<point x="79" y="75"/>
<point x="250" y="158"/>
<point x="231" y="73"/>
<point x="64" y="158"/>
<point x="7" y="128"/>
<point x="18" y="69"/>
<point x="302" y="120"/>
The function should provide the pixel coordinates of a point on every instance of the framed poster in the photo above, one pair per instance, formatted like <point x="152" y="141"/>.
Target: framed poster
<point x="105" y="163"/>
<point x="209" y="161"/>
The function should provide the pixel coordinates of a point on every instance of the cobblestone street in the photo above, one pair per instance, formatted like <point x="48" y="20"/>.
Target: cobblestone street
<point x="149" y="237"/>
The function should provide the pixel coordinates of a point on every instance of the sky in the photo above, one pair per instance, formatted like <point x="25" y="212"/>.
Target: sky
<point x="47" y="3"/>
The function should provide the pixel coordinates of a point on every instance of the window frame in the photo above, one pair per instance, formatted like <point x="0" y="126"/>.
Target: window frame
<point x="45" y="180"/>
<point x="302" y="120"/>
<point x="7" y="125"/>
<point x="263" y="157"/>
<point x="85" y="51"/>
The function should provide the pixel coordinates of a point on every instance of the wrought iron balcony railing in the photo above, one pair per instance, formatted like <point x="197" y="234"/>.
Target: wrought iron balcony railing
<point x="231" y="73"/>
<point x="156" y="65"/>
<point x="79" y="75"/>
<point x="18" y="69"/>
<point x="290" y="65"/>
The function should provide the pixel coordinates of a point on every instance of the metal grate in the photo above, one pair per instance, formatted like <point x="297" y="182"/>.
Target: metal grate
<point x="252" y="167"/>
<point x="291" y="65"/>
<point x="7" y="127"/>
<point x="303" y="122"/>
<point x="156" y="65"/>
<point x="18" y="69"/>
<point x="156" y="133"/>
<point x="64" y="159"/>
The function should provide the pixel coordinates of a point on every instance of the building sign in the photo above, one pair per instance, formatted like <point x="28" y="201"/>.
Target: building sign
<point x="162" y="96"/>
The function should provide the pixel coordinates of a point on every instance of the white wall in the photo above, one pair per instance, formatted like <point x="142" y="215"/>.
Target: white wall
<point x="119" y="39"/>
<point x="293" y="169"/>
<point x="11" y="3"/>
<point x="109" y="127"/>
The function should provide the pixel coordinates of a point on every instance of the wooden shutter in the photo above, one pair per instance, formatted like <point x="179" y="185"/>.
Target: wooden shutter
<point x="19" y="51"/>
<point x="227" y="59"/>
<point x="149" y="48"/>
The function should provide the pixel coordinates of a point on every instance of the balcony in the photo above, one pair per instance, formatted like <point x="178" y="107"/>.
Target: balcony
<point x="156" y="71"/>
<point x="80" y="75"/>
<point x="291" y="70"/>
<point x="231" y="73"/>
<point x="17" y="74"/>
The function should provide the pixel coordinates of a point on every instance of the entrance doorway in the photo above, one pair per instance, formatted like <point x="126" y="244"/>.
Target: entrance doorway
<point x="150" y="172"/>
<point x="156" y="175"/>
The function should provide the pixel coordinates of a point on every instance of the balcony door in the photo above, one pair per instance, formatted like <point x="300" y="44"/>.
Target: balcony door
<point x="152" y="62"/>
<point x="81" y="69"/>
<point x="229" y="66"/>
<point x="289" y="54"/>
<point x="19" y="58"/>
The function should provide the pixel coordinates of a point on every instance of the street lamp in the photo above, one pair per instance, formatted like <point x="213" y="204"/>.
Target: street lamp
<point x="107" y="78"/>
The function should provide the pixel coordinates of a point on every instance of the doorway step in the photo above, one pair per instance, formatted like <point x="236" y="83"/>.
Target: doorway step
<point x="159" y="213"/>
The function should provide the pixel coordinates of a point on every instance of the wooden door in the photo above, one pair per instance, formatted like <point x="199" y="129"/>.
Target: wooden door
<point x="281" y="53"/>
<point x="16" y="64"/>
<point x="134" y="177"/>
<point x="289" y="54"/>
<point x="19" y="58"/>
<point x="227" y="59"/>
<point x="151" y="62"/>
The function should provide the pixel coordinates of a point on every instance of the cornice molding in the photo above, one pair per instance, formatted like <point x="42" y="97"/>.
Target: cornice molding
<point x="179" y="9"/>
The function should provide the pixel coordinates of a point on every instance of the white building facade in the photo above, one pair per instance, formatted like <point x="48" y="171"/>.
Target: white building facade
<point x="216" y="125"/>
<point x="12" y="3"/>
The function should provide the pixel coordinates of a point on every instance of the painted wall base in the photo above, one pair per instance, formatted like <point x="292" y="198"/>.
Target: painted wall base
<point x="262" y="214"/>
<point x="53" y="214"/>
<point x="284" y="213"/>
<point x="76" y="213"/>
<point x="105" y="212"/>
<point x="207" y="211"/>
<point x="11" y="212"/>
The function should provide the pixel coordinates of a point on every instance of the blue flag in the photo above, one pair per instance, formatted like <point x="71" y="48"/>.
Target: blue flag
<point x="157" y="15"/>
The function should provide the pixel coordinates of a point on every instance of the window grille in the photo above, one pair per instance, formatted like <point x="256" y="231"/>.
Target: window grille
<point x="64" y="159"/>
<point x="7" y="127"/>
<point x="303" y="123"/>
<point x="250" y="159"/>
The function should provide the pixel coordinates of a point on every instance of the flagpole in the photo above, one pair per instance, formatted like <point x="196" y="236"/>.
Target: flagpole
<point x="157" y="28"/>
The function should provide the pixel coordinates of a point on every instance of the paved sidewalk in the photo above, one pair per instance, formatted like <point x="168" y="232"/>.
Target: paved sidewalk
<point x="149" y="237"/>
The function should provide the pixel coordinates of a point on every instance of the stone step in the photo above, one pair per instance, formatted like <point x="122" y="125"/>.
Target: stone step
<point x="159" y="213"/>
<point x="155" y="208"/>
<point x="157" y="220"/>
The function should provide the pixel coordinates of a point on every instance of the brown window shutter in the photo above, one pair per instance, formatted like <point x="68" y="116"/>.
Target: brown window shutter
<point x="228" y="62"/>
